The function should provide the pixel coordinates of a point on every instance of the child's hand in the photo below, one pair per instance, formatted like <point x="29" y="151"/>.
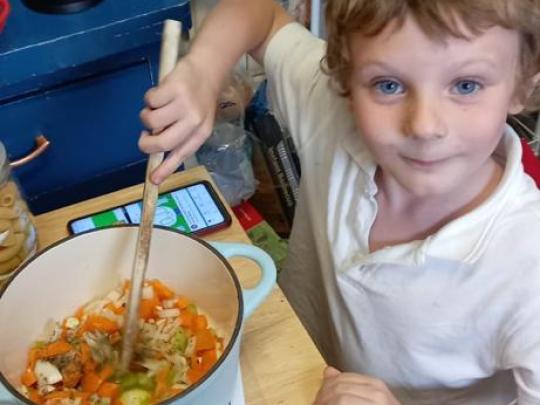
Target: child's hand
<point x="352" y="389"/>
<point x="181" y="110"/>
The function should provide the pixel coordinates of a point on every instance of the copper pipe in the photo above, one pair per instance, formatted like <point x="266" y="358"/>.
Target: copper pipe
<point x="42" y="144"/>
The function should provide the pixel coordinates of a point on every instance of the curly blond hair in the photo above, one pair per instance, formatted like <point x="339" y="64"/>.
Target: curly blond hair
<point x="438" y="19"/>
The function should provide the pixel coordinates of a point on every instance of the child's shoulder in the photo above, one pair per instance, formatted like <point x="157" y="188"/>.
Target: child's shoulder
<point x="516" y="234"/>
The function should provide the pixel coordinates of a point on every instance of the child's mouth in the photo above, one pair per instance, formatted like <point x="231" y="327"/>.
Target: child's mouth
<point x="425" y="164"/>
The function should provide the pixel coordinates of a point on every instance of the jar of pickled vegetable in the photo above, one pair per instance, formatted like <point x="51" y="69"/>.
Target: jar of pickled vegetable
<point x="18" y="240"/>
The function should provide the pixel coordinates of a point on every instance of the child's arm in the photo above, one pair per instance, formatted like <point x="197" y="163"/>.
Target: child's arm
<point x="182" y="107"/>
<point x="353" y="389"/>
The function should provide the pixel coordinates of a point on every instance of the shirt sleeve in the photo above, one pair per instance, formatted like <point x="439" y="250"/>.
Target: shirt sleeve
<point x="297" y="88"/>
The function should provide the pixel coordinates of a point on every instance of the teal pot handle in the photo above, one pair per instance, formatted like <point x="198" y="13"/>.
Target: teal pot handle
<point x="253" y="297"/>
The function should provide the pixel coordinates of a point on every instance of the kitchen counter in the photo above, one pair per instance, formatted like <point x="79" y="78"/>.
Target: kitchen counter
<point x="280" y="364"/>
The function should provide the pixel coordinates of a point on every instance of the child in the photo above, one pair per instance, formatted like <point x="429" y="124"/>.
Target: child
<point x="414" y="260"/>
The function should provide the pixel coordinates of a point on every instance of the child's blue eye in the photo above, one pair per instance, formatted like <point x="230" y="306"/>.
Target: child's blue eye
<point x="467" y="87"/>
<point x="389" y="87"/>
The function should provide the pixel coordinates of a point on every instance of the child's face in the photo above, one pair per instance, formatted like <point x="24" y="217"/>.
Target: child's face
<point x="432" y="113"/>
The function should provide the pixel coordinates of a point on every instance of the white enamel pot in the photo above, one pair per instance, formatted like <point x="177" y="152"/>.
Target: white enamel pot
<point x="75" y="270"/>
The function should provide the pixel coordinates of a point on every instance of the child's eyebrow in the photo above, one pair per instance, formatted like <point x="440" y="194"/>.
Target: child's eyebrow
<point x="473" y="62"/>
<point x="375" y="65"/>
<point x="368" y="66"/>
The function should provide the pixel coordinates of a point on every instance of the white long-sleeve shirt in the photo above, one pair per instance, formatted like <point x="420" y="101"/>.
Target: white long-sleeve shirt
<point x="451" y="319"/>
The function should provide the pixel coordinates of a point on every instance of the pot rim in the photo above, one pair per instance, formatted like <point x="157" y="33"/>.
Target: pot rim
<point x="192" y="387"/>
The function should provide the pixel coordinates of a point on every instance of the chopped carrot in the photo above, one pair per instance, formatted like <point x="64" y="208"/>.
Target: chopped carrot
<point x="114" y="309"/>
<point x="109" y="390"/>
<point x="204" y="340"/>
<point x="195" y="361"/>
<point x="82" y="329"/>
<point x="163" y="292"/>
<point x="182" y="302"/>
<point x="79" y="313"/>
<point x="101" y="323"/>
<point x="209" y="358"/>
<point x="91" y="382"/>
<point x="34" y="396"/>
<point x="147" y="308"/>
<point x="106" y="372"/>
<point x="161" y="382"/>
<point x="199" y="323"/>
<point x="82" y="395"/>
<point x="172" y="392"/>
<point x="90" y="366"/>
<point x="34" y="355"/>
<point x="72" y="373"/>
<point x="194" y="374"/>
<point x="86" y="354"/>
<point x="186" y="319"/>
<point x="58" y="395"/>
<point x="86" y="358"/>
<point x="57" y="348"/>
<point x="28" y="378"/>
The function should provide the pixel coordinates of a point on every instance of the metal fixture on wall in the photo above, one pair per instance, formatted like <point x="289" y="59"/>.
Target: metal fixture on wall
<point x="316" y="23"/>
<point x="60" y="6"/>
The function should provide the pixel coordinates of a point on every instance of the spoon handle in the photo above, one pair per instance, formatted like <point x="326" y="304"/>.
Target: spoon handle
<point x="169" y="53"/>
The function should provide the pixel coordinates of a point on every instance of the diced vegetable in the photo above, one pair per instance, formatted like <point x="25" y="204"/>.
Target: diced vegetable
<point x="135" y="397"/>
<point x="204" y="340"/>
<point x="169" y="313"/>
<point x="163" y="292"/>
<point x="29" y="377"/>
<point x="148" y="307"/>
<point x="137" y="380"/>
<point x="91" y="382"/>
<point x="71" y="323"/>
<point x="109" y="390"/>
<point x="47" y="373"/>
<point x="180" y="341"/>
<point x="74" y="362"/>
<point x="57" y="348"/>
<point x="182" y="302"/>
<point x="101" y="323"/>
<point x="186" y="319"/>
<point x="199" y="323"/>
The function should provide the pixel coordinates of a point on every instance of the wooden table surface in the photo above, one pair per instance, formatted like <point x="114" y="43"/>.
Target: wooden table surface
<point x="280" y="364"/>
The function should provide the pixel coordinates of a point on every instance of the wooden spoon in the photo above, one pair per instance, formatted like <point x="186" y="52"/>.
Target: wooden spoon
<point x="170" y="43"/>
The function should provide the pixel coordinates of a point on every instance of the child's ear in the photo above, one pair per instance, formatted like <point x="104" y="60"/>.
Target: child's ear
<point x="516" y="106"/>
<point x="518" y="102"/>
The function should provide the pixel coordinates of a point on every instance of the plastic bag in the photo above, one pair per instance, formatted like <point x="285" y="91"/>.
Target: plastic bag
<point x="227" y="156"/>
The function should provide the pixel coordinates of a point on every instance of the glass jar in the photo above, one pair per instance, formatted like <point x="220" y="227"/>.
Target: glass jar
<point x="18" y="239"/>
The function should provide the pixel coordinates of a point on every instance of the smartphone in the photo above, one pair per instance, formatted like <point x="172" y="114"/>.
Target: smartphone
<point x="194" y="208"/>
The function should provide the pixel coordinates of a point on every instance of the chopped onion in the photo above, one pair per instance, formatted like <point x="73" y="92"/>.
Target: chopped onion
<point x="169" y="313"/>
<point x="47" y="373"/>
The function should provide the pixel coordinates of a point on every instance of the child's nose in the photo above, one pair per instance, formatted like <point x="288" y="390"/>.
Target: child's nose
<point x="424" y="119"/>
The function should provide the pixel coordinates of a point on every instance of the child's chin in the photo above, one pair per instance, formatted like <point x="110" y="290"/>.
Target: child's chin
<point x="426" y="189"/>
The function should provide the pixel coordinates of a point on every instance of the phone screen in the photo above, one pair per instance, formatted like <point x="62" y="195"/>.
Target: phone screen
<point x="190" y="209"/>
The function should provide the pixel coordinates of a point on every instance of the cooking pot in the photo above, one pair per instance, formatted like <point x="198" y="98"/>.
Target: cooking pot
<point x="75" y="270"/>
